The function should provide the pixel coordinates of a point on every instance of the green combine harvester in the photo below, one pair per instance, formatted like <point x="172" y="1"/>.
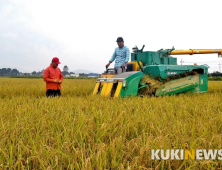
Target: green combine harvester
<point x="155" y="73"/>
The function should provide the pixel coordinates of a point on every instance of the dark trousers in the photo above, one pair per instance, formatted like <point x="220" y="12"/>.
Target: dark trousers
<point x="53" y="93"/>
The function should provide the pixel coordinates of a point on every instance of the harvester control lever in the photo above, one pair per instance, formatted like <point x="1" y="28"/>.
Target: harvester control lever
<point x="110" y="69"/>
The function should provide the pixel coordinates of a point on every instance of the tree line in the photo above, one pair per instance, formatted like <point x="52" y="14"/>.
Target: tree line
<point x="9" y="72"/>
<point x="15" y="72"/>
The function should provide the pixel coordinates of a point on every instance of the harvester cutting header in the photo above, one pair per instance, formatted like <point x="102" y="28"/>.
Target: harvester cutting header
<point x="155" y="73"/>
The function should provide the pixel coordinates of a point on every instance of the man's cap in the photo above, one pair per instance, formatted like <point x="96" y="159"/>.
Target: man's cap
<point x="119" y="39"/>
<point x="56" y="60"/>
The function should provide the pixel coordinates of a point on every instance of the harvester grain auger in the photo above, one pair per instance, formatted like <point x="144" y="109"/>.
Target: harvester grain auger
<point x="155" y="73"/>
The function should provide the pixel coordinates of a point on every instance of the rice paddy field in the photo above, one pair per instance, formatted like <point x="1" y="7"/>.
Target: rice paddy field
<point x="82" y="131"/>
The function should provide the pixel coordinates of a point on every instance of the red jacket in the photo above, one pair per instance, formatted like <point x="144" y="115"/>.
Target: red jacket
<point x="50" y="74"/>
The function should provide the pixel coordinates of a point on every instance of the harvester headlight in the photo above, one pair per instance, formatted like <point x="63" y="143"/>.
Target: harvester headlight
<point x="124" y="83"/>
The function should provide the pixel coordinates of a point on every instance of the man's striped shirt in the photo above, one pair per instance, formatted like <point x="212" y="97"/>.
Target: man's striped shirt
<point x="121" y="55"/>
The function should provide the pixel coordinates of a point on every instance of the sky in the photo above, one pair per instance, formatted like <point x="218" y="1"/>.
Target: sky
<point x="82" y="34"/>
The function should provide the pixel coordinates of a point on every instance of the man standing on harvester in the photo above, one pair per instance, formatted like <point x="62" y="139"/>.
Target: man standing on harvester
<point x="53" y="78"/>
<point x="121" y="54"/>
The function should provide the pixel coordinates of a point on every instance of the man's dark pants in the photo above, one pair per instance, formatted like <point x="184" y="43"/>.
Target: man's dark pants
<point x="53" y="93"/>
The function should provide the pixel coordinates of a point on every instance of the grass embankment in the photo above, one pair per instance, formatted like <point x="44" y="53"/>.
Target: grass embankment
<point x="215" y="78"/>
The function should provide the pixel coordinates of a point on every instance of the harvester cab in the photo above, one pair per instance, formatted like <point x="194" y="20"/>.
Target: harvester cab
<point x="155" y="73"/>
